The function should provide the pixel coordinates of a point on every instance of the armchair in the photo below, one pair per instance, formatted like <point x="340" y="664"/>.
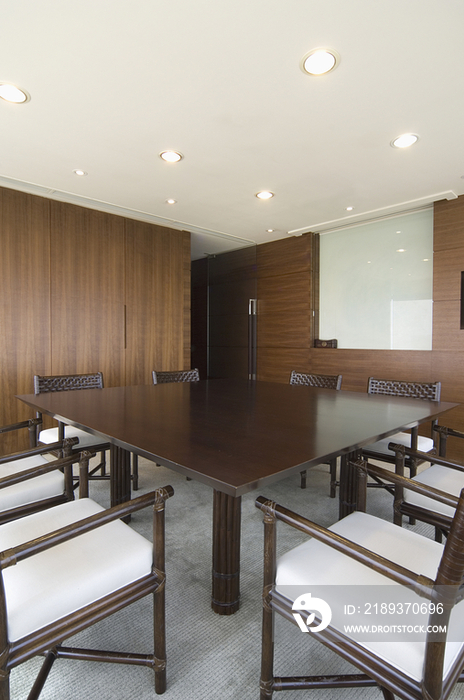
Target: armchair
<point x="74" y="382"/>
<point x="66" y="568"/>
<point x="416" y="390"/>
<point x="368" y="552"/>
<point x="325" y="381"/>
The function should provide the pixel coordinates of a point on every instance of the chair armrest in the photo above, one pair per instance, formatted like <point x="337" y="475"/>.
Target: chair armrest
<point x="43" y="449"/>
<point x="443" y="433"/>
<point x="40" y="469"/>
<point x="410" y="484"/>
<point x="12" y="556"/>
<point x="18" y="426"/>
<point x="31" y="424"/>
<point x="401" y="450"/>
<point x="422" y="585"/>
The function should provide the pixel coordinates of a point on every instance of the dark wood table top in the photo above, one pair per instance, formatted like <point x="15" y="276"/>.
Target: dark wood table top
<point x="236" y="435"/>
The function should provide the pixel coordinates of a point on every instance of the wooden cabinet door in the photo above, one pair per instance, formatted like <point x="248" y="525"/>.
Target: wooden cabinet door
<point x="87" y="292"/>
<point x="157" y="300"/>
<point x="25" y="307"/>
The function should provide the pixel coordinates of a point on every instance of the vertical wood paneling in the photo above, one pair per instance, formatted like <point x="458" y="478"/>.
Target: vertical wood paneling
<point x="65" y="298"/>
<point x="25" y="307"/>
<point x="87" y="292"/>
<point x="448" y="224"/>
<point x="157" y="300"/>
<point x="285" y="305"/>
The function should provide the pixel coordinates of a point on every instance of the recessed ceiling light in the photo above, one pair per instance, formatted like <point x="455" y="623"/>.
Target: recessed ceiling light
<point x="349" y="208"/>
<point x="264" y="195"/>
<point x="171" y="201"/>
<point x="319" y="61"/>
<point x="401" y="250"/>
<point x="14" y="94"/>
<point x="425" y="259"/>
<point x="79" y="172"/>
<point x="405" y="140"/>
<point x="171" y="156"/>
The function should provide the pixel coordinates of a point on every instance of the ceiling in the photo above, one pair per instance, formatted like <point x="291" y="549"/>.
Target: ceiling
<point x="113" y="83"/>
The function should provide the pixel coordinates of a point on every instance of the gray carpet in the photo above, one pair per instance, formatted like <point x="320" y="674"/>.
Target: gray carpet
<point x="208" y="656"/>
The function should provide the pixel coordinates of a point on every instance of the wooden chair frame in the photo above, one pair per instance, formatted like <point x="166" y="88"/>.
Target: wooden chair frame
<point x="374" y="670"/>
<point x="440" y="521"/>
<point x="324" y="381"/>
<point x="64" y="464"/>
<point x="183" y="375"/>
<point x="416" y="390"/>
<point x="49" y="640"/>
<point x="77" y="382"/>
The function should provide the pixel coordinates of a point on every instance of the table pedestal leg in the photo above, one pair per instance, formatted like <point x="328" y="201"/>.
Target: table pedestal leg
<point x="348" y="484"/>
<point x="120" y="477"/>
<point x="226" y="553"/>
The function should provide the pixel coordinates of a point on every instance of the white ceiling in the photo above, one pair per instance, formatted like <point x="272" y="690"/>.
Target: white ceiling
<point x="114" y="82"/>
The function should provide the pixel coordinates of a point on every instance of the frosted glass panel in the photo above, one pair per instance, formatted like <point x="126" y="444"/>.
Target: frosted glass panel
<point x="376" y="284"/>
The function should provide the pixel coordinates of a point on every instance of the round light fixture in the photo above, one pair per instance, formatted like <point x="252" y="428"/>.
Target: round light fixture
<point x="79" y="172"/>
<point x="319" y="61"/>
<point x="404" y="141"/>
<point x="264" y="195"/>
<point x="14" y="94"/>
<point x="349" y="208"/>
<point x="171" y="201"/>
<point x="171" y="156"/>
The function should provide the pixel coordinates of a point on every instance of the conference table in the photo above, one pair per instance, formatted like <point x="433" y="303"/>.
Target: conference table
<point x="236" y="436"/>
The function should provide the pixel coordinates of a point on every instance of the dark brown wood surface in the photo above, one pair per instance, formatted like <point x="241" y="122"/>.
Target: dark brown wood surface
<point x="24" y="311"/>
<point x="235" y="435"/>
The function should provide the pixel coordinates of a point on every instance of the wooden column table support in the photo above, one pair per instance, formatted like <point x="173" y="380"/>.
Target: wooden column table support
<point x="226" y="553"/>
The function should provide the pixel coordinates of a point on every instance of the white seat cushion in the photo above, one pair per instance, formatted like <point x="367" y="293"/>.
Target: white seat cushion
<point x="449" y="480"/>
<point x="47" y="437"/>
<point x="50" y="585"/>
<point x="424" y="444"/>
<point x="32" y="490"/>
<point x="315" y="564"/>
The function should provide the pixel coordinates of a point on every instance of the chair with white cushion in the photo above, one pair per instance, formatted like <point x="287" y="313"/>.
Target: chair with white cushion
<point x="440" y="474"/>
<point x="74" y="382"/>
<point x="323" y="381"/>
<point x="358" y="563"/>
<point x="417" y="390"/>
<point x="68" y="567"/>
<point x="32" y="480"/>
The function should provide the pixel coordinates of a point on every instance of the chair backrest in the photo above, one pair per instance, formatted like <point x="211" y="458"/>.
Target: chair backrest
<point x="67" y="382"/>
<point x="413" y="390"/>
<point x="187" y="375"/>
<point x="325" y="381"/>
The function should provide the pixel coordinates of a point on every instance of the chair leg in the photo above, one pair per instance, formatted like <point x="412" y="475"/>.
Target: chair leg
<point x="135" y="472"/>
<point x="333" y="478"/>
<point x="303" y="479"/>
<point x="42" y="676"/>
<point x="4" y="685"/>
<point x="387" y="694"/>
<point x="103" y="463"/>
<point x="267" y="654"/>
<point x="160" y="640"/>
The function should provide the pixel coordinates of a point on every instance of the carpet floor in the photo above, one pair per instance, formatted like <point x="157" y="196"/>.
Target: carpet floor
<point x="208" y="656"/>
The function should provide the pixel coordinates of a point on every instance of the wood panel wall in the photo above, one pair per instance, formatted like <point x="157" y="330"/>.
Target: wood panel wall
<point x="87" y="291"/>
<point x="286" y="302"/>
<point x="286" y="338"/>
